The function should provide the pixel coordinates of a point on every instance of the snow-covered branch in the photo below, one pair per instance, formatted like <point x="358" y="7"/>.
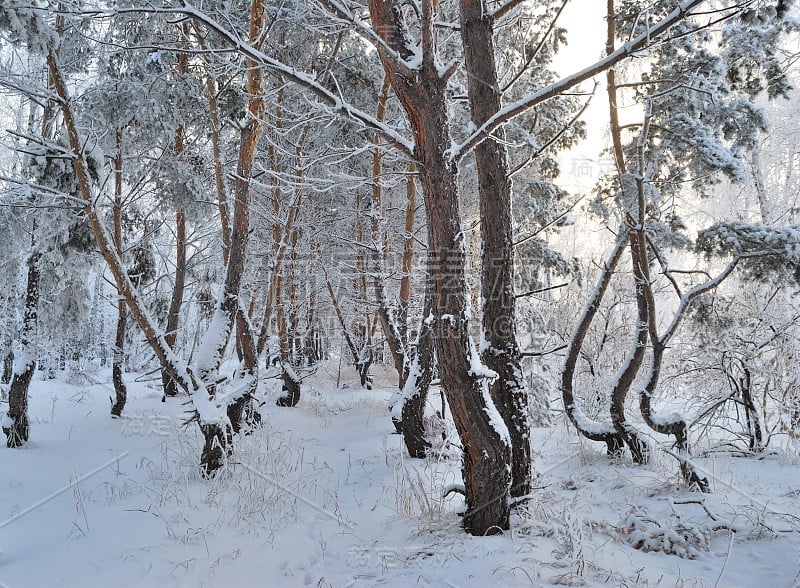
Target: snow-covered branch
<point x="511" y="111"/>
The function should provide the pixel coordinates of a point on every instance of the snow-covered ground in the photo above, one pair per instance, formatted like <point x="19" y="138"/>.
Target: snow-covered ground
<point x="324" y="495"/>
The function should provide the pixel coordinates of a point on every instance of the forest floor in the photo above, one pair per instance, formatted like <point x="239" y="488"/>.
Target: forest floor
<point x="325" y="495"/>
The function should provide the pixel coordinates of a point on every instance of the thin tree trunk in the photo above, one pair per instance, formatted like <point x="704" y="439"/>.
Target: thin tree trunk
<point x="8" y="367"/>
<point x="208" y="413"/>
<point x="415" y="389"/>
<point x="408" y="252"/>
<point x="120" y="390"/>
<point x="176" y="300"/>
<point x="216" y="149"/>
<point x="499" y="350"/>
<point x="358" y="358"/>
<point x="596" y="431"/>
<point x="391" y="330"/>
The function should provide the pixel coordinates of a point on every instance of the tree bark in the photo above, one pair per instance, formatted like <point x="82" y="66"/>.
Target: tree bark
<point x="422" y="93"/>
<point x="499" y="350"/>
<point x="415" y="388"/>
<point x="117" y="364"/>
<point x="18" y="431"/>
<point x="8" y="367"/>
<point x="176" y="301"/>
<point x="596" y="431"/>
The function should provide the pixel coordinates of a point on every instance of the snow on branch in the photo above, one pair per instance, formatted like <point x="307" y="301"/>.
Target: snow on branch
<point x="335" y="104"/>
<point x="504" y="115"/>
<point x="768" y="252"/>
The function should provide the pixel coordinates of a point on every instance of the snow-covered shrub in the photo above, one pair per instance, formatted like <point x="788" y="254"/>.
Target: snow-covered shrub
<point x="666" y="536"/>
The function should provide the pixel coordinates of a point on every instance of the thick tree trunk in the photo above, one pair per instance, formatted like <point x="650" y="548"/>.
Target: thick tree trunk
<point x="17" y="431"/>
<point x="487" y="451"/>
<point x="499" y="350"/>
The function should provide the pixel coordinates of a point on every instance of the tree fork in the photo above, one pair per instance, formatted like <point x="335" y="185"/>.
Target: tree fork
<point x="422" y="92"/>
<point x="500" y="351"/>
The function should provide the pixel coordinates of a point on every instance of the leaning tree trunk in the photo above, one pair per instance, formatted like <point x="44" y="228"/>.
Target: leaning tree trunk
<point x="422" y="92"/>
<point x="207" y="411"/>
<point x="499" y="350"/>
<point x="17" y="428"/>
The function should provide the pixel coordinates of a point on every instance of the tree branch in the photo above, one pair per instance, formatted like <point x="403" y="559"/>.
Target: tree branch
<point x="517" y="108"/>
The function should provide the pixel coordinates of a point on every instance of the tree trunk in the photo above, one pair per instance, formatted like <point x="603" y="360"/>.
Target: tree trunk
<point x="17" y="431"/>
<point x="8" y="367"/>
<point x="120" y="390"/>
<point x="499" y="350"/>
<point x="217" y="439"/>
<point x="626" y="431"/>
<point x="415" y="389"/>
<point x="596" y="431"/>
<point x="174" y="311"/>
<point x="176" y="301"/>
<point x="484" y="436"/>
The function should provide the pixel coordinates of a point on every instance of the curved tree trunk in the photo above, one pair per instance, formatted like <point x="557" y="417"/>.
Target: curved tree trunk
<point x="627" y="431"/>
<point x="596" y="431"/>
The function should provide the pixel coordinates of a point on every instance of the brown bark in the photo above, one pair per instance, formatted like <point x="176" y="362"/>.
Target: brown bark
<point x="217" y="441"/>
<point x="500" y="352"/>
<point x="120" y="390"/>
<point x="216" y="150"/>
<point x="389" y="325"/>
<point x="408" y="251"/>
<point x="18" y="433"/>
<point x="8" y="367"/>
<point x="422" y="93"/>
<point x="626" y="431"/>
<point x="415" y="391"/>
<point x="639" y="263"/>
<point x="176" y="301"/>
<point x="598" y="432"/>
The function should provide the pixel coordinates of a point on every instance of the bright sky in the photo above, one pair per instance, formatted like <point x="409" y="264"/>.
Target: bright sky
<point x="586" y="32"/>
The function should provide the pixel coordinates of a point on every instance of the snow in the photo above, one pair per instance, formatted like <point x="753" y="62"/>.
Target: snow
<point x="325" y="495"/>
<point x="591" y="426"/>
